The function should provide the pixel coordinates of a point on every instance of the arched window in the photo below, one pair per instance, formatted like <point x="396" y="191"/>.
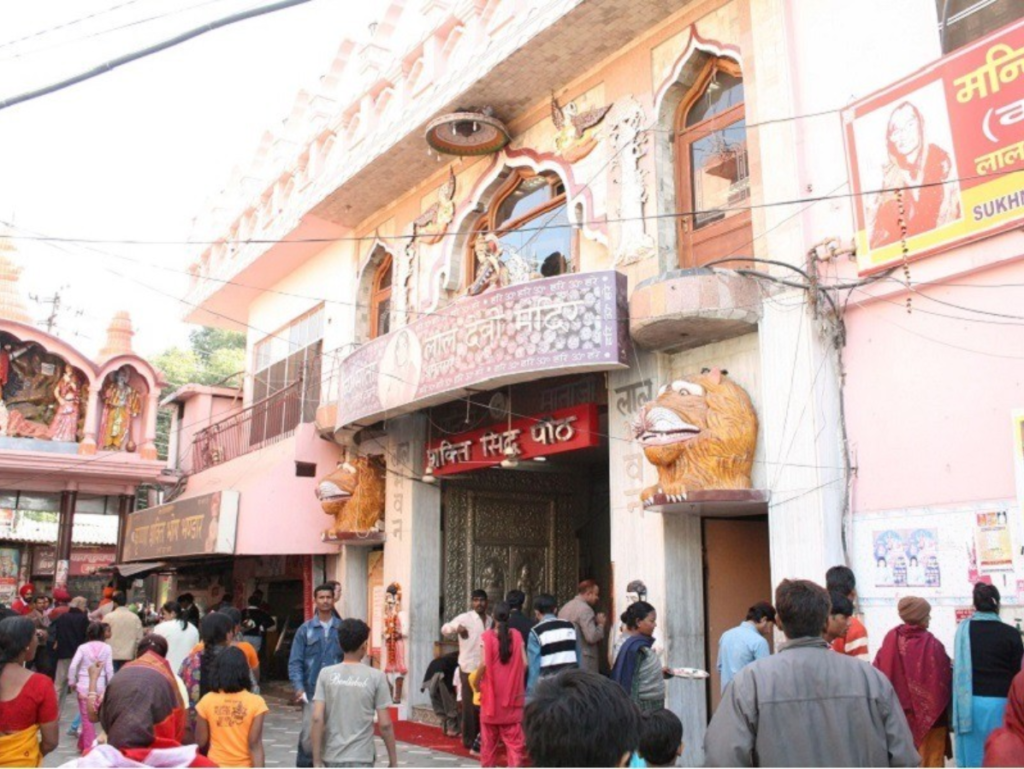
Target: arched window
<point x="530" y="218"/>
<point x="380" y="300"/>
<point x="714" y="177"/>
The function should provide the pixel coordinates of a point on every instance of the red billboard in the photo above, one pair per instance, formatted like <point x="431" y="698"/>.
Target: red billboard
<point x="521" y="438"/>
<point x="937" y="159"/>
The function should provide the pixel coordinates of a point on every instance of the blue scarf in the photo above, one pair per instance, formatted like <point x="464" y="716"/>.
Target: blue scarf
<point x="625" y="663"/>
<point x="963" y="677"/>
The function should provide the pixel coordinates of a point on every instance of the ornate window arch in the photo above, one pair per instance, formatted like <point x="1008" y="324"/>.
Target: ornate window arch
<point x="529" y="216"/>
<point x="712" y="172"/>
<point x="380" y="298"/>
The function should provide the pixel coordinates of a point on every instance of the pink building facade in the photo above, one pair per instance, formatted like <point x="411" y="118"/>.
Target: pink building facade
<point x="700" y="194"/>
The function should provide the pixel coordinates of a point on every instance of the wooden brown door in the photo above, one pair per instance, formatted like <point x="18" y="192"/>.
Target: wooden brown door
<point x="737" y="574"/>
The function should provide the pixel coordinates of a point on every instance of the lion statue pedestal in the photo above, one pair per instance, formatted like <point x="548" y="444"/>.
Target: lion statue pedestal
<point x="700" y="433"/>
<point x="353" y="494"/>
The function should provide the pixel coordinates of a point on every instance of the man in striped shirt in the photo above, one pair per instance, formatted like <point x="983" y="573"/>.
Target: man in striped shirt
<point x="553" y="644"/>
<point x="840" y="579"/>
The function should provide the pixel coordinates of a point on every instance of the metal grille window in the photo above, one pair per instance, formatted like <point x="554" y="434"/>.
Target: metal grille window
<point x="283" y="360"/>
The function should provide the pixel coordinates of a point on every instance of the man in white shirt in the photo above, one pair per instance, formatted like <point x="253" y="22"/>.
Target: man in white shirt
<point x="469" y="627"/>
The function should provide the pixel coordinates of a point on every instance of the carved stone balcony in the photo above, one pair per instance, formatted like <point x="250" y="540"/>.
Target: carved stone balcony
<point x="682" y="309"/>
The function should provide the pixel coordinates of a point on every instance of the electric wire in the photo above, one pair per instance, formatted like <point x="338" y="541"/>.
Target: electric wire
<point x="148" y="51"/>
<point x="571" y="225"/>
<point x="66" y="24"/>
<point x="109" y="30"/>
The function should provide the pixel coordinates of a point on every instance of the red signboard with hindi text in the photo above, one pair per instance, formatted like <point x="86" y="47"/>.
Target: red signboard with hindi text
<point x="937" y="159"/>
<point x="525" y="437"/>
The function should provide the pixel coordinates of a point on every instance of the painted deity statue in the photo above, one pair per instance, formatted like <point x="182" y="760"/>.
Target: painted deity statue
<point x="67" y="393"/>
<point x="121" y="405"/>
<point x="490" y="271"/>
<point x="394" y="638"/>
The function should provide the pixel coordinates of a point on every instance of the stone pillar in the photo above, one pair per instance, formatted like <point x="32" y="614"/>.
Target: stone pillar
<point x="799" y="415"/>
<point x="412" y="553"/>
<point x="351" y="572"/>
<point x="148" y="450"/>
<point x="92" y="421"/>
<point x="682" y="622"/>
<point x="65" y="528"/>
<point x="125" y="506"/>
<point x="637" y="538"/>
<point x="802" y="448"/>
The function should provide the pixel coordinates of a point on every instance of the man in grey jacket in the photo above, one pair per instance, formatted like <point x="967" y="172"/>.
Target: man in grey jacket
<point x="589" y="626"/>
<point x="807" y="705"/>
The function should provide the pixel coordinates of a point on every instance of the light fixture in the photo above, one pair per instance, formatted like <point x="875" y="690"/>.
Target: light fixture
<point x="428" y="471"/>
<point x="511" y="459"/>
<point x="540" y="459"/>
<point x="470" y="131"/>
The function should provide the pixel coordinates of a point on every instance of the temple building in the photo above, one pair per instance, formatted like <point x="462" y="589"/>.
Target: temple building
<point x="77" y="439"/>
<point x="539" y="291"/>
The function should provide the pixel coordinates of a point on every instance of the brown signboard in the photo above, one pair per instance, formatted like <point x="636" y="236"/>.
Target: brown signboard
<point x="203" y="525"/>
<point x="84" y="561"/>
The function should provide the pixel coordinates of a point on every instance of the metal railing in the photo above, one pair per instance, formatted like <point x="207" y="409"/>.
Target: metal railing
<point x="262" y="424"/>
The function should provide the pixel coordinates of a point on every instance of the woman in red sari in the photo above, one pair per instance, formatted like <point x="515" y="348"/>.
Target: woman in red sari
<point x="921" y="672"/>
<point x="1005" y="746"/>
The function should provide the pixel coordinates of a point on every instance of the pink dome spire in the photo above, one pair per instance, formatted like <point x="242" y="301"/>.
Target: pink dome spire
<point x="119" y="336"/>
<point x="12" y="306"/>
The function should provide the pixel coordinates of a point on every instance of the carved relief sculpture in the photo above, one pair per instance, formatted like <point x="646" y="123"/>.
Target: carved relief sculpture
<point x="574" y="140"/>
<point x="354" y="494"/>
<point x="433" y="222"/>
<point x="68" y="395"/>
<point x="629" y="137"/>
<point x="121" y="405"/>
<point x="700" y="434"/>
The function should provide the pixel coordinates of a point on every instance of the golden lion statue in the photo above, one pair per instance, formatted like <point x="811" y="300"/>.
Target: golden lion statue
<point x="354" y="494"/>
<point x="700" y="432"/>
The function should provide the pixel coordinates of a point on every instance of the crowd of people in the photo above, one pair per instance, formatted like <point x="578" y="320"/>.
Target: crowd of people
<point x="533" y="689"/>
<point x="185" y="693"/>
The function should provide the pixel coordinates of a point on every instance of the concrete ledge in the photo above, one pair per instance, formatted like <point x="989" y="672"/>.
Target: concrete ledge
<point x="682" y="309"/>
<point x="712" y="503"/>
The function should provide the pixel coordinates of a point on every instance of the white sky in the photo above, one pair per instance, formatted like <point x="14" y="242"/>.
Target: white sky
<point x="135" y="153"/>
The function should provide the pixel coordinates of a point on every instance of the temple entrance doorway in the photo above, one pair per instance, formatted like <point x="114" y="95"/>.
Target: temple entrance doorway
<point x="737" y="574"/>
<point x="537" y="530"/>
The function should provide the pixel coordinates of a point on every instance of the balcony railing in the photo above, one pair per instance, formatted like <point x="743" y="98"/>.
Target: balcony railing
<point x="262" y="424"/>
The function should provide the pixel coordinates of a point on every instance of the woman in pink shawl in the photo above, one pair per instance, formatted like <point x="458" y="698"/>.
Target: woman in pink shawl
<point x="921" y="672"/>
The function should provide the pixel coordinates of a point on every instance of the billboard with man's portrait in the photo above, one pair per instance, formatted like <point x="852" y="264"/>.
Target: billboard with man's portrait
<point x="937" y="159"/>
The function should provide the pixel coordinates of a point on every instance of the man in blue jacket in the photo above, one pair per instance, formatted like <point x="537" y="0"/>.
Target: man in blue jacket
<point x="314" y="648"/>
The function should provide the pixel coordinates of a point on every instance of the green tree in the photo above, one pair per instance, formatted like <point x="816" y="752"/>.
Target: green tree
<point x="213" y="357"/>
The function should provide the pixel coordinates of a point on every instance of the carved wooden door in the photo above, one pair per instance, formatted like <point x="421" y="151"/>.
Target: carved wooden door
<point x="512" y="538"/>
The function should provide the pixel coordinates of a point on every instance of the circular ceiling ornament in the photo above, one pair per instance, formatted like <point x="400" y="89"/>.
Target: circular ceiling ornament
<point x="467" y="132"/>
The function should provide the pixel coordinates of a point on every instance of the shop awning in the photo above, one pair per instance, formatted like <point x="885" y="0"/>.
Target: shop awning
<point x="135" y="569"/>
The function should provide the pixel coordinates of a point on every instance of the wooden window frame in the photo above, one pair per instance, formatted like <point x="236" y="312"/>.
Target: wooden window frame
<point x="691" y="239"/>
<point x="378" y="295"/>
<point x="487" y="222"/>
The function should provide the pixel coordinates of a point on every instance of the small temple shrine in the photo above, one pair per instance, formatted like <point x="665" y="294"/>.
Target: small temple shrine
<point x="77" y="439"/>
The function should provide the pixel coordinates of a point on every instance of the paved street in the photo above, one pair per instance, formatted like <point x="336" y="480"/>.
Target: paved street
<point x="280" y="735"/>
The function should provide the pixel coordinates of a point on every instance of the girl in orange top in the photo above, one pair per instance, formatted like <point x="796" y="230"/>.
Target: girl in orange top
<point x="230" y="716"/>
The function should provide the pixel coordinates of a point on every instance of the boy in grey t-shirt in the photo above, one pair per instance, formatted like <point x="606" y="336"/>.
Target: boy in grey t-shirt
<point x="346" y="697"/>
